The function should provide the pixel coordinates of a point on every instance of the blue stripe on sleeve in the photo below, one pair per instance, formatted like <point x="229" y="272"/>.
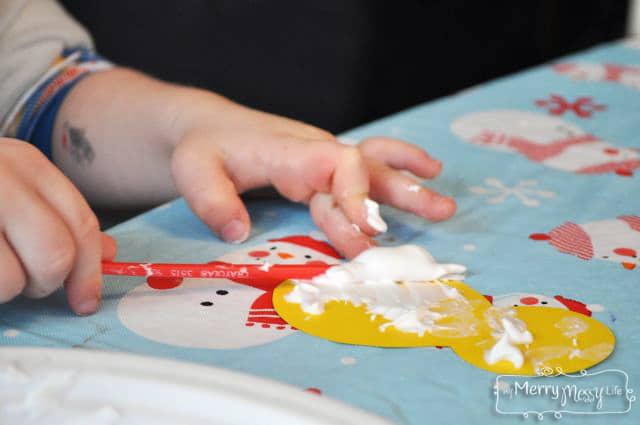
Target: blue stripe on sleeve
<point x="40" y="130"/>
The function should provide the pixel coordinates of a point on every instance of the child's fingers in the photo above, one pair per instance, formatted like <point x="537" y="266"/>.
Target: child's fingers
<point x="343" y="235"/>
<point x="391" y="187"/>
<point x="109" y="247"/>
<point x="59" y="238"/>
<point x="201" y="178"/>
<point x="40" y="239"/>
<point x="350" y="188"/>
<point x="401" y="155"/>
<point x="83" y="284"/>
<point x="12" y="277"/>
<point x="298" y="168"/>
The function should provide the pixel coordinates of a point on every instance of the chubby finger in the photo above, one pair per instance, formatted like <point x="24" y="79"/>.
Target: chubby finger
<point x="109" y="247"/>
<point x="83" y="285"/>
<point x="12" y="277"/>
<point x="200" y="177"/>
<point x="394" y="188"/>
<point x="350" y="189"/>
<point x="68" y="214"/>
<point x="40" y="239"/>
<point x="346" y="237"/>
<point x="401" y="155"/>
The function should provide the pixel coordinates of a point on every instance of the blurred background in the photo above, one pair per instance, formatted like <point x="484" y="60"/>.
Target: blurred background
<point x="340" y="63"/>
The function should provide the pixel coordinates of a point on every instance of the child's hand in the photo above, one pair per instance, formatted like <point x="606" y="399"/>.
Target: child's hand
<point x="226" y="149"/>
<point x="138" y="128"/>
<point x="49" y="235"/>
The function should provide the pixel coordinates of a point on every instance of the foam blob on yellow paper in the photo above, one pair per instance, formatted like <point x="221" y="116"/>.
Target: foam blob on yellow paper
<point x="343" y="322"/>
<point x="562" y="340"/>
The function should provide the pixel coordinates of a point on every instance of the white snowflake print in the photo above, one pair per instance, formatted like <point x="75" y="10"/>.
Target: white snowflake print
<point x="526" y="191"/>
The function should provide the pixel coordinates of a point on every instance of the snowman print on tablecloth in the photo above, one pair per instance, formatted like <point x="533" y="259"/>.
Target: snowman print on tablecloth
<point x="220" y="313"/>
<point x="616" y="240"/>
<point x="558" y="301"/>
<point x="546" y="140"/>
<point x="626" y="75"/>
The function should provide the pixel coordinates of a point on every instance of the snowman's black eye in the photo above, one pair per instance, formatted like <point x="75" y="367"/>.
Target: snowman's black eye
<point x="307" y="256"/>
<point x="206" y="303"/>
<point x="222" y="292"/>
<point x="515" y="305"/>
<point x="273" y="247"/>
<point x="605" y="256"/>
<point x="543" y="302"/>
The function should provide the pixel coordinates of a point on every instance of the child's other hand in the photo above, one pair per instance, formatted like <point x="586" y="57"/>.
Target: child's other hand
<point x="49" y="235"/>
<point x="225" y="149"/>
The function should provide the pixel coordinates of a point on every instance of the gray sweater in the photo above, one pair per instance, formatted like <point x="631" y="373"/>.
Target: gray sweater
<point x="32" y="35"/>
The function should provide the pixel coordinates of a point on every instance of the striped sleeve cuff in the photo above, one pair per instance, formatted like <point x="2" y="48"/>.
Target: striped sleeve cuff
<point x="33" y="118"/>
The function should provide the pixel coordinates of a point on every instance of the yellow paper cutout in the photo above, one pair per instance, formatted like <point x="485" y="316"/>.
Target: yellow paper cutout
<point x="562" y="339"/>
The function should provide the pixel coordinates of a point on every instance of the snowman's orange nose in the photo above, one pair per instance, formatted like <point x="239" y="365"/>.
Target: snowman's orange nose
<point x="629" y="266"/>
<point x="285" y="255"/>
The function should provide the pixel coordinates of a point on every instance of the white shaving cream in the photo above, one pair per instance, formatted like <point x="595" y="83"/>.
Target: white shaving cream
<point x="373" y="216"/>
<point x="403" y="284"/>
<point x="43" y="397"/>
<point x="266" y="266"/>
<point x="510" y="333"/>
<point x="400" y="284"/>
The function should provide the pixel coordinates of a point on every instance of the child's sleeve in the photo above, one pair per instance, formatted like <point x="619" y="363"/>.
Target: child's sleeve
<point x="43" y="52"/>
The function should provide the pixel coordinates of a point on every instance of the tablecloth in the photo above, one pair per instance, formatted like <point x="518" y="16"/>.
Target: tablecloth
<point x="543" y="165"/>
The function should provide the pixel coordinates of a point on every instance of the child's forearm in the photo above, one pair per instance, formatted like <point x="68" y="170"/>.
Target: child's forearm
<point x="115" y="132"/>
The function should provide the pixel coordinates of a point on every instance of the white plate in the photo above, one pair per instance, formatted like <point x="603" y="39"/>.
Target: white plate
<point x="47" y="386"/>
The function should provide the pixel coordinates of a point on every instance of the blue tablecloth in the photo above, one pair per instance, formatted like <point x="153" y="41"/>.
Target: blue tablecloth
<point x="542" y="165"/>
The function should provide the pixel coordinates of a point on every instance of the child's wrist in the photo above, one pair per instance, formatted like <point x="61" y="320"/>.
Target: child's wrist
<point x="194" y="109"/>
